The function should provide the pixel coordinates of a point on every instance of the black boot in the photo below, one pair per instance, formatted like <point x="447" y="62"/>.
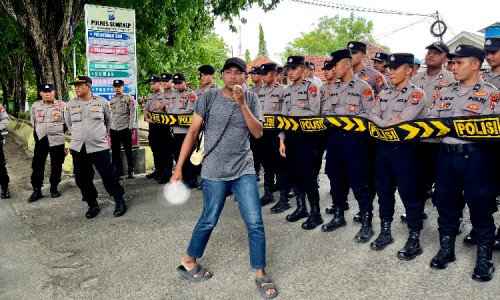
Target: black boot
<point x="301" y="210"/>
<point x="412" y="247"/>
<point x="470" y="239"/>
<point x="483" y="271"/>
<point x="446" y="253"/>
<point x="120" y="207"/>
<point x="54" y="192"/>
<point x="357" y="217"/>
<point x="366" y="231"/>
<point x="5" y="193"/>
<point x="282" y="204"/>
<point x="164" y="176"/>
<point x="337" y="221"/>
<point x="315" y="218"/>
<point x="331" y="210"/>
<point x="93" y="209"/>
<point x="384" y="238"/>
<point x="497" y="240"/>
<point x="153" y="174"/>
<point x="268" y="196"/>
<point x="131" y="174"/>
<point x="37" y="194"/>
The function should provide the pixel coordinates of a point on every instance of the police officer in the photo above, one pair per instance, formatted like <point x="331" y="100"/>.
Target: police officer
<point x="464" y="171"/>
<point x="207" y="75"/>
<point x="160" y="137"/>
<point x="346" y="158"/>
<point x="432" y="80"/>
<point x="87" y="117"/>
<point x="397" y="163"/>
<point x="256" y="77"/>
<point x="166" y="82"/>
<point x="255" y="144"/>
<point x="123" y="113"/>
<point x="379" y="61"/>
<point x="182" y="104"/>
<point x="416" y="66"/>
<point x="271" y="99"/>
<point x="4" y="177"/>
<point x="301" y="99"/>
<point x="47" y="119"/>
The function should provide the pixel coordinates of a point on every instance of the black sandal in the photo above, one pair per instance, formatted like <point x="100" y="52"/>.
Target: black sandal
<point x="190" y="275"/>
<point x="269" y="285"/>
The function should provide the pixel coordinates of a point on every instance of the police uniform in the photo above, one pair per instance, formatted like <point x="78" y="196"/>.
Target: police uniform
<point x="302" y="100"/>
<point x="396" y="164"/>
<point x="346" y="156"/>
<point x="465" y="172"/>
<point x="4" y="177"/>
<point x="123" y="114"/>
<point x="256" y="144"/>
<point x="491" y="44"/>
<point x="183" y="103"/>
<point x="271" y="100"/>
<point x="49" y="127"/>
<point x="89" y="122"/>
<point x="160" y="136"/>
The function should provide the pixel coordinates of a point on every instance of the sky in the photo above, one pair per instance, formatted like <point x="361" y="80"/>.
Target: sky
<point x="285" y="23"/>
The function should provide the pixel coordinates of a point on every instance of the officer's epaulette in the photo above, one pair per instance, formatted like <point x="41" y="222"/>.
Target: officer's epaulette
<point x="477" y="87"/>
<point x="351" y="84"/>
<point x="405" y="89"/>
<point x="338" y="83"/>
<point x="490" y="85"/>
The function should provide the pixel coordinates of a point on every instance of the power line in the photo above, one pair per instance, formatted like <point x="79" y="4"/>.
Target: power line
<point x="383" y="35"/>
<point x="358" y="8"/>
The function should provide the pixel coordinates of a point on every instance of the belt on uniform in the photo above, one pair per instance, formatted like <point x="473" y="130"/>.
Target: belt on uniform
<point x="460" y="148"/>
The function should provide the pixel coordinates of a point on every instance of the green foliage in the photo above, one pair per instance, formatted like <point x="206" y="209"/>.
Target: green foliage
<point x="331" y="34"/>
<point x="262" y="43"/>
<point x="247" y="56"/>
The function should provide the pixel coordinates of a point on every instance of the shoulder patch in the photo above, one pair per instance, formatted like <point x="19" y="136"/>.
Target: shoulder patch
<point x="494" y="100"/>
<point x="438" y="94"/>
<point x="192" y="97"/>
<point x="368" y="94"/>
<point x="314" y="91"/>
<point x="416" y="97"/>
<point x="380" y="80"/>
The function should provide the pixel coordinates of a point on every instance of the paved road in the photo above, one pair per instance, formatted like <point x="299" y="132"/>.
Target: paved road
<point x="50" y="251"/>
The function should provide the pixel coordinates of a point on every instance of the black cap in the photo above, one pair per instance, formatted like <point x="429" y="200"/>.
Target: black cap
<point x="339" y="55"/>
<point x="280" y="69"/>
<point x="266" y="68"/>
<point x="206" y="69"/>
<point x="397" y="59"/>
<point x="469" y="51"/>
<point x="48" y="87"/>
<point x="154" y="78"/>
<point x="356" y="47"/>
<point x="440" y="46"/>
<point x="327" y="65"/>
<point x="380" y="56"/>
<point x="118" y="82"/>
<point x="312" y="66"/>
<point x="165" y="77"/>
<point x="255" y="70"/>
<point x="235" y="62"/>
<point x="179" y="77"/>
<point x="492" y="44"/>
<point x="295" y="61"/>
<point x="82" y="79"/>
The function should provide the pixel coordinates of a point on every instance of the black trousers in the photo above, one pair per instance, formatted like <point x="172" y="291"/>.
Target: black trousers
<point x="321" y="144"/>
<point x="42" y="150"/>
<point x="84" y="164"/>
<point x="118" y="138"/>
<point x="189" y="171"/>
<point x="4" y="177"/>
<point x="427" y="156"/>
<point x="397" y="165"/>
<point x="160" y="141"/>
<point x="465" y="173"/>
<point x="347" y="165"/>
<point x="256" y="147"/>
<point x="272" y="161"/>
<point x="300" y="158"/>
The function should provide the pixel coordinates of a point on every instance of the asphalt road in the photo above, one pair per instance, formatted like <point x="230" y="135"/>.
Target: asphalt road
<point x="50" y="251"/>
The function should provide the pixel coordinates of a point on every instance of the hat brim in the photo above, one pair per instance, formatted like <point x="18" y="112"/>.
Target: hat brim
<point x="118" y="85"/>
<point x="47" y="90"/>
<point x="178" y="81"/>
<point x="394" y="65"/>
<point x="437" y="48"/>
<point x="491" y="48"/>
<point x="294" y="65"/>
<point x="78" y="82"/>
<point x="229" y="65"/>
<point x="378" y="59"/>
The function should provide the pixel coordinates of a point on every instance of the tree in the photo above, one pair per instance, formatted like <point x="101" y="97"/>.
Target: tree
<point x="262" y="43"/>
<point x="247" y="56"/>
<point x="331" y="34"/>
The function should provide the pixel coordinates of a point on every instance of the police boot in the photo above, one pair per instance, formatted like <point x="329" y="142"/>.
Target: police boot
<point x="412" y="247"/>
<point x="497" y="240"/>
<point x="384" y="238"/>
<point x="5" y="194"/>
<point x="337" y="221"/>
<point x="153" y="174"/>
<point x="357" y="217"/>
<point x="37" y="194"/>
<point x="54" y="192"/>
<point x="164" y="176"/>
<point x="93" y="209"/>
<point x="366" y="231"/>
<point x="484" y="265"/>
<point x="470" y="239"/>
<point x="301" y="210"/>
<point x="268" y="196"/>
<point x="315" y="218"/>
<point x="446" y="253"/>
<point x="282" y="204"/>
<point x="120" y="207"/>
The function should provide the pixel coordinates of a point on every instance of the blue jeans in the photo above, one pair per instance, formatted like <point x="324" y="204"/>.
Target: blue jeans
<point x="246" y="192"/>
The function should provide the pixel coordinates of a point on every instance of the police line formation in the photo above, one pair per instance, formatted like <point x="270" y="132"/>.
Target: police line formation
<point x="431" y="132"/>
